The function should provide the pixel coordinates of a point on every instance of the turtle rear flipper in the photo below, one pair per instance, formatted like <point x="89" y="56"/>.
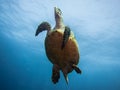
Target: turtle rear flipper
<point x="65" y="36"/>
<point x="55" y="74"/>
<point x="43" y="26"/>
<point x="76" y="69"/>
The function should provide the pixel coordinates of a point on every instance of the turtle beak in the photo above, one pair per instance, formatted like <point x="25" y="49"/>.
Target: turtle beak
<point x="55" y="8"/>
<point x="58" y="12"/>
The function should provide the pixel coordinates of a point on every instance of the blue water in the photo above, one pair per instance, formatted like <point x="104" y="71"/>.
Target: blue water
<point x="23" y="62"/>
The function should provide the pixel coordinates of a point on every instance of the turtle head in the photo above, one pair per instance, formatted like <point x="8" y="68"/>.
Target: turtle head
<point x="58" y="13"/>
<point x="58" y="18"/>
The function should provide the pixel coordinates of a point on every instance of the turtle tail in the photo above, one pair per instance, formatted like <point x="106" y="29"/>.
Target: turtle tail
<point x="42" y="27"/>
<point x="66" y="77"/>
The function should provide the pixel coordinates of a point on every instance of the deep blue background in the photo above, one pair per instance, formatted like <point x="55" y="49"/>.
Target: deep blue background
<point x="23" y="63"/>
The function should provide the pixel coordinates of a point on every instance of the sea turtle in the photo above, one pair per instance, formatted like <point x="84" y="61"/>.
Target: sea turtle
<point x="61" y="47"/>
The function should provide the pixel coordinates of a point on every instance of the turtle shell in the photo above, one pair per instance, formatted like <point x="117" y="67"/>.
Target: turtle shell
<point x="62" y="57"/>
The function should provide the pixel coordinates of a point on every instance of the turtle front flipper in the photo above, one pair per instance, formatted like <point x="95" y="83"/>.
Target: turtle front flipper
<point x="65" y="36"/>
<point x="55" y="74"/>
<point x="43" y="26"/>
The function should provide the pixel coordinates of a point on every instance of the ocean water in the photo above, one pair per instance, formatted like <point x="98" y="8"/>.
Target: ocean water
<point x="23" y="62"/>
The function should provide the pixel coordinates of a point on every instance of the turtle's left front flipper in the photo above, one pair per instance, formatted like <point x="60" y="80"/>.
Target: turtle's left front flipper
<point x="65" y="36"/>
<point x="43" y="26"/>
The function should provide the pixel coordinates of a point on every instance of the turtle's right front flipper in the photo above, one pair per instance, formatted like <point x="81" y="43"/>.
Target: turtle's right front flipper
<point x="43" y="26"/>
<point x="65" y="36"/>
